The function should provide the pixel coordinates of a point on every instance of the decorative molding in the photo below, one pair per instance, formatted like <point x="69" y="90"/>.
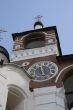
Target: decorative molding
<point x="50" y="66"/>
<point x="2" y="75"/>
<point x="25" y="63"/>
<point x="33" y="53"/>
<point x="62" y="71"/>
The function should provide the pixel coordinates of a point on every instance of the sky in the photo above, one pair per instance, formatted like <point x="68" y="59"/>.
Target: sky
<point x="19" y="15"/>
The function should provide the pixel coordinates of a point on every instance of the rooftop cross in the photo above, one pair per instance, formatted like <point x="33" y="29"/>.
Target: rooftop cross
<point x="38" y="18"/>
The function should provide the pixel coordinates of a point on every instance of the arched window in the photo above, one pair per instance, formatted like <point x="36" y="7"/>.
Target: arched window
<point x="68" y="85"/>
<point x="15" y="100"/>
<point x="34" y="40"/>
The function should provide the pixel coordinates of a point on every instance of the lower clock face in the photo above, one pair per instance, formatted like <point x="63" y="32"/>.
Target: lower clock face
<point x="43" y="70"/>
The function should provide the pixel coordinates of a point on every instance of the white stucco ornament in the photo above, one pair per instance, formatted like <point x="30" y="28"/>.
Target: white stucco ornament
<point x="25" y="63"/>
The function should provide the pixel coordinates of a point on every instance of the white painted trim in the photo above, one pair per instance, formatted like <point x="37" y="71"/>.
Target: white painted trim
<point x="21" y="92"/>
<point x="62" y="71"/>
<point x="33" y="33"/>
<point x="18" y="89"/>
<point x="17" y="67"/>
<point x="33" y="53"/>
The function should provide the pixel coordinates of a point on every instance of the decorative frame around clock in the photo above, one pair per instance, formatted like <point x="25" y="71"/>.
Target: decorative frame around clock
<point x="43" y="70"/>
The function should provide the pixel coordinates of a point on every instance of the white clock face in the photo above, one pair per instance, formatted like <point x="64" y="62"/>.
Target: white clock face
<point x="43" y="70"/>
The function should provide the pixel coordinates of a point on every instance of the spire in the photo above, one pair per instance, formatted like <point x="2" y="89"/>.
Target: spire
<point x="38" y="24"/>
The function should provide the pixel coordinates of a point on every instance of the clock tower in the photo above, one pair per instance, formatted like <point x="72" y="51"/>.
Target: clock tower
<point x="37" y="51"/>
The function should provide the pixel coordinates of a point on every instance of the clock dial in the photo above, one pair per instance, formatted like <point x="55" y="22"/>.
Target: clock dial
<point x="43" y="70"/>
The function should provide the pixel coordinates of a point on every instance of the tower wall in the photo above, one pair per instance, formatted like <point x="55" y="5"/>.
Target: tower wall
<point x="51" y="98"/>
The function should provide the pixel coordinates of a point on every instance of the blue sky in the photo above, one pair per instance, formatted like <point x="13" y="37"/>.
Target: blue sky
<point x="18" y="16"/>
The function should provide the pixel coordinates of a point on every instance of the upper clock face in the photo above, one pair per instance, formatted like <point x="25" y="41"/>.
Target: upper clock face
<point x="43" y="70"/>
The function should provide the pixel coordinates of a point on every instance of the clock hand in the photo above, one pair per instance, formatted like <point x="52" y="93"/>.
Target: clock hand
<point x="42" y="71"/>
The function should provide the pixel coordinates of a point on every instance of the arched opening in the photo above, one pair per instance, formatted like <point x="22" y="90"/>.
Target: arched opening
<point x="68" y="85"/>
<point x="34" y="40"/>
<point x="35" y="44"/>
<point x="15" y="100"/>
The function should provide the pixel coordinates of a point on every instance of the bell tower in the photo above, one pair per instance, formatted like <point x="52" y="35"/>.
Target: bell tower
<point x="40" y="42"/>
<point x="37" y="51"/>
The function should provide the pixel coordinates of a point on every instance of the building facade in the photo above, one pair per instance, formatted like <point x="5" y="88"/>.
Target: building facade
<point x="37" y="76"/>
